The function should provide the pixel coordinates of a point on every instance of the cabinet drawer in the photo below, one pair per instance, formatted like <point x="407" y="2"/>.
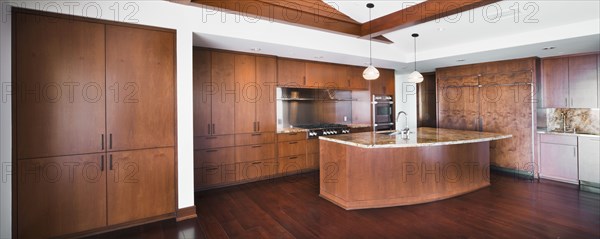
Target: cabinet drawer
<point x="254" y="152"/>
<point x="312" y="146"/>
<point x="291" y="136"/>
<point x="208" y="142"/>
<point x="214" y="156"/>
<point x="292" y="164"/>
<point x="256" y="138"/>
<point x="291" y="148"/>
<point x="558" y="139"/>
<point x="257" y="170"/>
<point x="212" y="176"/>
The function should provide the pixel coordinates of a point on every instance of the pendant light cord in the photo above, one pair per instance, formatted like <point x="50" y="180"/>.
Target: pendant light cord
<point x="370" y="39"/>
<point x="415" y="38"/>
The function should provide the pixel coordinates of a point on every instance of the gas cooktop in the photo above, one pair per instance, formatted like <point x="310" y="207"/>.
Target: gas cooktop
<point x="316" y="130"/>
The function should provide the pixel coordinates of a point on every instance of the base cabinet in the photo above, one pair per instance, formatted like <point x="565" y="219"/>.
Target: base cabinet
<point x="589" y="159"/>
<point x="71" y="186"/>
<point x="558" y="158"/>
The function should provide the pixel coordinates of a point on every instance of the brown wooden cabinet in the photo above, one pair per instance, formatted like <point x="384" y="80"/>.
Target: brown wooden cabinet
<point x="140" y="69"/>
<point x="214" y="92"/>
<point x="326" y="76"/>
<point x="355" y="78"/>
<point x="570" y="81"/>
<point x="119" y="96"/>
<point x="67" y="84"/>
<point x="491" y="97"/>
<point x="291" y="73"/>
<point x="255" y="104"/>
<point x="384" y="85"/>
<point x="583" y="81"/>
<point x="140" y="184"/>
<point x="292" y="153"/>
<point x="61" y="195"/>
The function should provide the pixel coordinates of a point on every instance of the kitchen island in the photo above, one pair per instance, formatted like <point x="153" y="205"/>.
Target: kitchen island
<point x="373" y="170"/>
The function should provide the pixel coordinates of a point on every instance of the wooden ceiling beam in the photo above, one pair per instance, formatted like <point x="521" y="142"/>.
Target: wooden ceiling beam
<point x="317" y="15"/>
<point x="419" y="13"/>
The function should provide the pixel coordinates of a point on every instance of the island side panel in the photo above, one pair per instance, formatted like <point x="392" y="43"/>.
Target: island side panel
<point x="383" y="177"/>
<point x="333" y="172"/>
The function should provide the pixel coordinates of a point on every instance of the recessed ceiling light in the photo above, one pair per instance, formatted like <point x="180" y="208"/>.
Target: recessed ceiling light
<point x="548" y="48"/>
<point x="318" y="57"/>
<point x="461" y="60"/>
<point x="255" y="49"/>
<point x="441" y="29"/>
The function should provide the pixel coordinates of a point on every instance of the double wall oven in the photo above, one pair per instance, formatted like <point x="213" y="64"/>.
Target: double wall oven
<point x="383" y="112"/>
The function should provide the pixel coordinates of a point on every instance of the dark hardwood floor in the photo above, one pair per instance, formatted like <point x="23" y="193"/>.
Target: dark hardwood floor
<point x="291" y="208"/>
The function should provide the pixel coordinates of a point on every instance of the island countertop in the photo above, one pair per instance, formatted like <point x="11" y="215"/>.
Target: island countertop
<point x="423" y="136"/>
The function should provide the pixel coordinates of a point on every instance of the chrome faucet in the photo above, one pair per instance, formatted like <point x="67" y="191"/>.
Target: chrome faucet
<point x="406" y="130"/>
<point x="564" y="121"/>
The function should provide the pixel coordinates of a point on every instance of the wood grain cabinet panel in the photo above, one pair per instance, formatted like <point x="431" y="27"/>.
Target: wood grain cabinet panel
<point x="257" y="170"/>
<point x="355" y="78"/>
<point x="291" y="164"/>
<point x="61" y="195"/>
<point x="254" y="152"/>
<point x="216" y="141"/>
<point x="555" y="82"/>
<point x="266" y="80"/>
<point x="140" y="184"/>
<point x="140" y="88"/>
<point x="59" y="68"/>
<point x="254" y="138"/>
<point x="247" y="94"/>
<point x="223" y="93"/>
<point x="214" y="156"/>
<point x="202" y="92"/>
<point x="583" y="81"/>
<point x="291" y="136"/>
<point x="290" y="148"/>
<point x="291" y="73"/>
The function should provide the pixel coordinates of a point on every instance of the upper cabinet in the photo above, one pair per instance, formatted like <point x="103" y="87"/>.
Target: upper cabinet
<point x="384" y="85"/>
<point x="583" y="81"/>
<point x="291" y="73"/>
<point x="255" y="78"/>
<point x="214" y="92"/>
<point x="309" y="74"/>
<point x="570" y="82"/>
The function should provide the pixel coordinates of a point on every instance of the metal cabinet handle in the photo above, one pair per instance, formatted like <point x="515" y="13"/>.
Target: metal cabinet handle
<point x="213" y="128"/>
<point x="211" y="138"/>
<point x="256" y="146"/>
<point x="294" y="157"/>
<point x="258" y="124"/>
<point x="211" y="150"/>
<point x="208" y="129"/>
<point x="101" y="163"/>
<point x="254" y="126"/>
<point x="257" y="134"/>
<point x="256" y="162"/>
<point x="110" y="141"/>
<point x="102" y="141"/>
<point x="110" y="162"/>
<point x="295" y="142"/>
<point x="211" y="169"/>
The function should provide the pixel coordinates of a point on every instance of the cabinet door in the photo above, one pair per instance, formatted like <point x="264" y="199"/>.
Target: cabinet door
<point x="559" y="162"/>
<point x="61" y="195"/>
<point x="555" y="82"/>
<point x="583" y="81"/>
<point x="291" y="73"/>
<point x="140" y="184"/>
<point x="223" y="93"/>
<point x="140" y="94"/>
<point x="389" y="82"/>
<point x="355" y="78"/>
<point x="247" y="96"/>
<point x="458" y="106"/>
<point x="589" y="159"/>
<point x="202" y="92"/>
<point x="59" y="71"/>
<point x="266" y="73"/>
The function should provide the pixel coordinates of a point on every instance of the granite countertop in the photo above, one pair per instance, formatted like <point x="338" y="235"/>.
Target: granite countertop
<point x="546" y="131"/>
<point x="357" y="126"/>
<point x="290" y="130"/>
<point x="423" y="137"/>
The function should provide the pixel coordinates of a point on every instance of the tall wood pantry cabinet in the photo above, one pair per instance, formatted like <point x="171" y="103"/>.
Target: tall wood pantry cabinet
<point x="94" y="122"/>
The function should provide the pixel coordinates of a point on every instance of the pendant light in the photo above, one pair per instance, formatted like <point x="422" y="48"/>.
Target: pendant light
<point x="371" y="73"/>
<point x="415" y="76"/>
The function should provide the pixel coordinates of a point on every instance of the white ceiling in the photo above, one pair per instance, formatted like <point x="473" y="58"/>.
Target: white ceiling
<point x="489" y="33"/>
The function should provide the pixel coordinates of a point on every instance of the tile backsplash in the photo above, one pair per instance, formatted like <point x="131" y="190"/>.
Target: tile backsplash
<point x="583" y="120"/>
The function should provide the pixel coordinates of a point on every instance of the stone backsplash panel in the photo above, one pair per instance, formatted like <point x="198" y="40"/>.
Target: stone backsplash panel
<point x="583" y="120"/>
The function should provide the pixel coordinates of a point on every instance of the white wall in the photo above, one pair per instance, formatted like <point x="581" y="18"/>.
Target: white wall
<point x="406" y="100"/>
<point x="5" y="128"/>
